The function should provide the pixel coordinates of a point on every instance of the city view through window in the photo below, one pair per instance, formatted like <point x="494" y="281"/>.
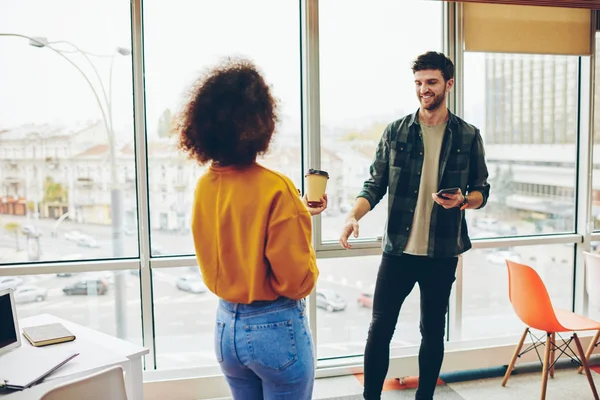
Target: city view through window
<point x="68" y="189"/>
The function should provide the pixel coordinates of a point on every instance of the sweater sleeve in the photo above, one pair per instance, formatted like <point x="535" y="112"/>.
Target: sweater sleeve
<point x="289" y="248"/>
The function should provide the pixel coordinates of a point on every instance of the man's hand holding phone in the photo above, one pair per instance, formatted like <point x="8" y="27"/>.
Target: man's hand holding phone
<point x="449" y="198"/>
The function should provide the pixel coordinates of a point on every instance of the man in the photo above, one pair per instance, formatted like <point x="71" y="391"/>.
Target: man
<point x="417" y="156"/>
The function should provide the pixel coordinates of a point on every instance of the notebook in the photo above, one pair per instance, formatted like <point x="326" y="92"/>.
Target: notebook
<point x="43" y="335"/>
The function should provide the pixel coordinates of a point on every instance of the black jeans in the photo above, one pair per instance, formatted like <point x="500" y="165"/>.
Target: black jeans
<point x="395" y="280"/>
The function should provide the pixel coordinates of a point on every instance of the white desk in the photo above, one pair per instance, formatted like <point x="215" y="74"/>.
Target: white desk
<point x="96" y="350"/>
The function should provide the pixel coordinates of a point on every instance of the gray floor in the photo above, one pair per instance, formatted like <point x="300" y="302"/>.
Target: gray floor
<point x="566" y="385"/>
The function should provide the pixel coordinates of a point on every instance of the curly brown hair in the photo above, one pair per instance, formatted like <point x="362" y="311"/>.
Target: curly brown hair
<point x="230" y="116"/>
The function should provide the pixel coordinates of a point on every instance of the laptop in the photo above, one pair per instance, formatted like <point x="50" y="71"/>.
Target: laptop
<point x="22" y="369"/>
<point x="9" y="328"/>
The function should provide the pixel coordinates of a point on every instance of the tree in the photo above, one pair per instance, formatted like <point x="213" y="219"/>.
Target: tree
<point x="54" y="192"/>
<point x="14" y="228"/>
<point x="165" y="124"/>
<point x="31" y="206"/>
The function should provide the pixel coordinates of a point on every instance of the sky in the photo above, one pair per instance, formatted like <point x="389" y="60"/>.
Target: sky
<point x="365" y="53"/>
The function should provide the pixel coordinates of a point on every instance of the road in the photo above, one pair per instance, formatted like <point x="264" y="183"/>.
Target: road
<point x="167" y="243"/>
<point x="173" y="243"/>
<point x="184" y="322"/>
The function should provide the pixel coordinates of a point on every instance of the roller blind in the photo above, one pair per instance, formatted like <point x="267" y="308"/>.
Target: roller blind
<point x="505" y="28"/>
<point x="589" y="4"/>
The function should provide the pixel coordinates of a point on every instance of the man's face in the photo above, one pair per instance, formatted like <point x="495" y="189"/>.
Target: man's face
<point x="431" y="88"/>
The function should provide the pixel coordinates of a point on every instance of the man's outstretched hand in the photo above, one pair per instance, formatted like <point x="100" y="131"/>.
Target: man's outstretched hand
<point x="351" y="228"/>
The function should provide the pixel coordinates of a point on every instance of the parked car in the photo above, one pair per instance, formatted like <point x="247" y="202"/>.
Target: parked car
<point x="81" y="239"/>
<point x="64" y="274"/>
<point x="192" y="284"/>
<point x="27" y="294"/>
<point x="73" y="235"/>
<point x="86" y="286"/>
<point x="330" y="300"/>
<point x="365" y="300"/>
<point x="106" y="276"/>
<point x="9" y="282"/>
<point x="86" y="241"/>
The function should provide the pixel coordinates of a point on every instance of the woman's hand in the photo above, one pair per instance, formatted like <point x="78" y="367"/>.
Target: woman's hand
<point x="316" y="210"/>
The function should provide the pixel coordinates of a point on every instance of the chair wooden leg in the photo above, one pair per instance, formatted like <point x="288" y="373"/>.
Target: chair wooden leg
<point x="586" y="367"/>
<point x="590" y="350"/>
<point x="552" y="351"/>
<point x="546" y="366"/>
<point x="511" y="366"/>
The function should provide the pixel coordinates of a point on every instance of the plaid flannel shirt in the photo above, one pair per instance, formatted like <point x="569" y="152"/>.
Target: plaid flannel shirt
<point x="397" y="166"/>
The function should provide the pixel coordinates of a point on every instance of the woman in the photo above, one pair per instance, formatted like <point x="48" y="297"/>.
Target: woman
<point x="252" y="235"/>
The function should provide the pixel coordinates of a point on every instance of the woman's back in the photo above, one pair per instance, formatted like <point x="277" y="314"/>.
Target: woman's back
<point x="252" y="235"/>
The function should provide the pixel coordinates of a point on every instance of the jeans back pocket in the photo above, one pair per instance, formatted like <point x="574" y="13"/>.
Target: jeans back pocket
<point x="219" y="341"/>
<point x="272" y="345"/>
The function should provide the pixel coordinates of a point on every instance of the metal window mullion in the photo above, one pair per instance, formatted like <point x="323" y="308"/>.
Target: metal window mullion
<point x="68" y="266"/>
<point x="311" y="121"/>
<point x="357" y="244"/>
<point x="584" y="189"/>
<point x="453" y="47"/>
<point x="561" y="238"/>
<point x="311" y="94"/>
<point x="457" y="53"/>
<point x="449" y="42"/>
<point x="173" y="262"/>
<point x="143" y="204"/>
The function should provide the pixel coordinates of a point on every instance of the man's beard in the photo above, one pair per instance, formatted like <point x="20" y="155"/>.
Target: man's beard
<point x="437" y="101"/>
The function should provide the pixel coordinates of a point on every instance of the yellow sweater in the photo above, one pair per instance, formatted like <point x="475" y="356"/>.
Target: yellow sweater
<point x="252" y="235"/>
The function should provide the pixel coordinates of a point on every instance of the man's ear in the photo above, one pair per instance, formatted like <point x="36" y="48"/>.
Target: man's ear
<point x="449" y="84"/>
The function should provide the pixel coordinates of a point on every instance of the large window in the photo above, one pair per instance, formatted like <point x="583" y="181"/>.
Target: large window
<point x="67" y="173"/>
<point x="67" y="166"/>
<point x="595" y="217"/>
<point x="185" y="313"/>
<point x="526" y="109"/>
<point x="344" y="299"/>
<point x="86" y="298"/>
<point x="366" y="83"/>
<point x="204" y="34"/>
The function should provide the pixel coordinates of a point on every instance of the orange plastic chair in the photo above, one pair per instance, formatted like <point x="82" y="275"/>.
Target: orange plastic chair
<point x="532" y="304"/>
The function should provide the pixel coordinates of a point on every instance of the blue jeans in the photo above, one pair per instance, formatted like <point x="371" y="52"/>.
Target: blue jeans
<point x="265" y="349"/>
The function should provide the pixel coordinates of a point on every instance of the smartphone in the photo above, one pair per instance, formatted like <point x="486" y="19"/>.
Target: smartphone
<point x="447" y="191"/>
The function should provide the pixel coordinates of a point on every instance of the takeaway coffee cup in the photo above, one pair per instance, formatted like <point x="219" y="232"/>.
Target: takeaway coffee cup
<point x="316" y="183"/>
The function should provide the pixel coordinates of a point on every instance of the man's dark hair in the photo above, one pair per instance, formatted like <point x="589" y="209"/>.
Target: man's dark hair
<point x="434" y="60"/>
<point x="230" y="116"/>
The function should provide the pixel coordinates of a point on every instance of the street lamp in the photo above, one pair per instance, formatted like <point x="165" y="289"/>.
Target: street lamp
<point x="116" y="205"/>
